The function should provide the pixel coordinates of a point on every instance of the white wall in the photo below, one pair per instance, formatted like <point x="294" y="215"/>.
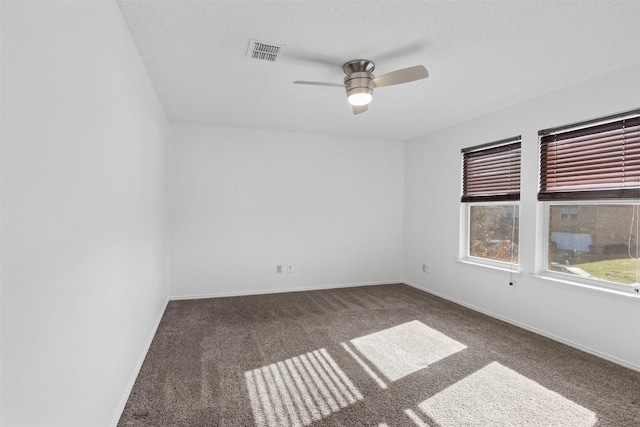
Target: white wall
<point x="601" y="323"/>
<point x="83" y="224"/>
<point x="243" y="200"/>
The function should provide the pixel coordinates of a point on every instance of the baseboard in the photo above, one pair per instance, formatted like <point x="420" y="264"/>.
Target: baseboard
<point x="136" y="371"/>
<point x="279" y="291"/>
<point x="529" y="328"/>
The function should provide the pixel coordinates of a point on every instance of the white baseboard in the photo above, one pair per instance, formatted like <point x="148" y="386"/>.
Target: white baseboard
<point x="279" y="291"/>
<point x="530" y="328"/>
<point x="136" y="371"/>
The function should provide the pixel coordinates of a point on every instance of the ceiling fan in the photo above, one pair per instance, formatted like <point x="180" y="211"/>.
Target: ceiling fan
<point x="359" y="81"/>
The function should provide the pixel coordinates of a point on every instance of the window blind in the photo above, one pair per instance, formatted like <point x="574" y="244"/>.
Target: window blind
<point x="491" y="172"/>
<point x="599" y="160"/>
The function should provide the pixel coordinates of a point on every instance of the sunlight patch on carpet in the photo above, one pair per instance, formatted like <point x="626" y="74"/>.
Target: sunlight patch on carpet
<point x="300" y="390"/>
<point x="404" y="349"/>
<point x="498" y="396"/>
<point x="364" y="365"/>
<point x="415" y="418"/>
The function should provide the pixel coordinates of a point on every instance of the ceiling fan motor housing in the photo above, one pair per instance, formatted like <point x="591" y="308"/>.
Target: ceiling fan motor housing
<point x="360" y="82"/>
<point x="358" y="79"/>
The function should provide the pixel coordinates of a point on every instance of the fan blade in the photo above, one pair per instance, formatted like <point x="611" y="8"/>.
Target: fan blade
<point x="398" y="52"/>
<point x="404" y="75"/>
<point x="311" y="57"/>
<point x="300" y="82"/>
<point x="357" y="109"/>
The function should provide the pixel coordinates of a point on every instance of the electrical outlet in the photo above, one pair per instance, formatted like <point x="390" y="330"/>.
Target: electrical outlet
<point x="290" y="268"/>
<point x="279" y="268"/>
<point x="426" y="268"/>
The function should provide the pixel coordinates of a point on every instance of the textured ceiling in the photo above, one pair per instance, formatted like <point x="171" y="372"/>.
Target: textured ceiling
<point x="481" y="56"/>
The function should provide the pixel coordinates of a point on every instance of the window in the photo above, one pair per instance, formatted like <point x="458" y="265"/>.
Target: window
<point x="570" y="212"/>
<point x="590" y="184"/>
<point x="491" y="194"/>
<point x="493" y="232"/>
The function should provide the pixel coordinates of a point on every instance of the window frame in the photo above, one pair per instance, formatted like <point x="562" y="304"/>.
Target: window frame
<point x="465" y="247"/>
<point x="545" y="272"/>
<point x="505" y="196"/>
<point x="623" y="195"/>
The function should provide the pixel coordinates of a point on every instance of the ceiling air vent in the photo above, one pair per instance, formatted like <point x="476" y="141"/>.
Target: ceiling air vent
<point x="264" y="51"/>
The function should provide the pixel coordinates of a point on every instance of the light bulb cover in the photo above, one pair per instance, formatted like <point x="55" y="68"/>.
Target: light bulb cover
<point x="357" y="99"/>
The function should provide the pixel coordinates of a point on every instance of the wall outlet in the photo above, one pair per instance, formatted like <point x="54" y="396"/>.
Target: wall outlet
<point x="279" y="268"/>
<point x="426" y="268"/>
<point x="290" y="268"/>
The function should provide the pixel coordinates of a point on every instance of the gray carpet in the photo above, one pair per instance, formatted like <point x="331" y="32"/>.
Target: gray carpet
<point x="377" y="356"/>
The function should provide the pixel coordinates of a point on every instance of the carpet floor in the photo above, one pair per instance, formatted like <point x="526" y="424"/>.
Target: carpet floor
<point x="383" y="356"/>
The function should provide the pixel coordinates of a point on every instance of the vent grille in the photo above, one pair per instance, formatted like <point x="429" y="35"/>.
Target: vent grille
<point x="263" y="51"/>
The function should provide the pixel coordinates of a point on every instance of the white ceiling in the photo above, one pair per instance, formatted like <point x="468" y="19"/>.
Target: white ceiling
<point x="481" y="56"/>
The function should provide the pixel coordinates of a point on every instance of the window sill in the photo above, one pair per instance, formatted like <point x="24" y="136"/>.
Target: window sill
<point x="629" y="295"/>
<point x="515" y="269"/>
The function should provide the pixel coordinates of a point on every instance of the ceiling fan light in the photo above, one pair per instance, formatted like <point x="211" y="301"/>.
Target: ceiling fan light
<point x="359" y="95"/>
<point x="359" y="99"/>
